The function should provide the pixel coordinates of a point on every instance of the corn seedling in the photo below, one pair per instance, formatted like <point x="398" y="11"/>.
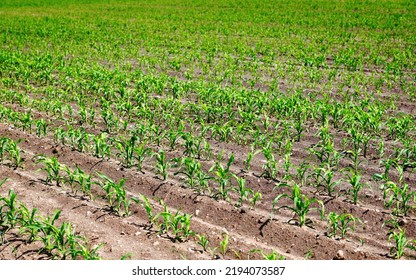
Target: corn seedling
<point x="174" y="223"/>
<point x="223" y="176"/>
<point x="354" y="157"/>
<point x="126" y="148"/>
<point x="116" y="195"/>
<point x="355" y="186"/>
<point x="144" y="202"/>
<point x="203" y="241"/>
<point x="30" y="222"/>
<point x="162" y="164"/>
<point x="301" y="204"/>
<point x="324" y="179"/>
<point x="101" y="148"/>
<point x="400" y="197"/>
<point x="401" y="242"/>
<point x="273" y="256"/>
<point x="250" y="156"/>
<point x="301" y="173"/>
<point x="270" y="167"/>
<point x="84" y="181"/>
<point x="224" y="244"/>
<point x="9" y="212"/>
<point x="245" y="193"/>
<point x="52" y="168"/>
<point x="190" y="168"/>
<point x="141" y="152"/>
<point x="10" y="151"/>
<point x="341" y="223"/>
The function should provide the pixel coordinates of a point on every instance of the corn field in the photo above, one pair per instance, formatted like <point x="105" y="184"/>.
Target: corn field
<point x="208" y="129"/>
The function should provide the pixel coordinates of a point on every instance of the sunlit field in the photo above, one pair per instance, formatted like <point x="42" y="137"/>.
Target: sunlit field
<point x="208" y="129"/>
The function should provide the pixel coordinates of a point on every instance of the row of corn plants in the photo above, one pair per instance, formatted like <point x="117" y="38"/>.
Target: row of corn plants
<point x="57" y="240"/>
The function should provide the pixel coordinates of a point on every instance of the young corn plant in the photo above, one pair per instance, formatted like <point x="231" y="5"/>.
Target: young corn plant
<point x="270" y="167"/>
<point x="203" y="242"/>
<point x="101" y="147"/>
<point x="223" y="176"/>
<point x="203" y="183"/>
<point x="355" y="159"/>
<point x="126" y="148"/>
<point x="341" y="223"/>
<point x="14" y="153"/>
<point x="3" y="147"/>
<point x="62" y="242"/>
<point x="116" y="195"/>
<point x="193" y="146"/>
<point x="324" y="179"/>
<point x="30" y="222"/>
<point x="400" y="196"/>
<point x="401" y="243"/>
<point x="242" y="190"/>
<point x="173" y="137"/>
<point x="325" y="151"/>
<point x="60" y="136"/>
<point x="189" y="168"/>
<point x="144" y="202"/>
<point x="79" y="139"/>
<point x="299" y="125"/>
<point x="286" y="166"/>
<point x="181" y="226"/>
<point x="9" y="150"/>
<point x="110" y="120"/>
<point x="47" y="231"/>
<point x="41" y="127"/>
<point x="301" y="173"/>
<point x="355" y="186"/>
<point x="71" y="177"/>
<point x="224" y="244"/>
<point x="387" y="164"/>
<point x="273" y="256"/>
<point x="141" y="153"/>
<point x="301" y="204"/>
<point x="245" y="193"/>
<point x="9" y="213"/>
<point x="26" y="121"/>
<point x="84" y="181"/>
<point x="162" y="164"/>
<point x="174" y="223"/>
<point x="250" y="156"/>
<point x="52" y="167"/>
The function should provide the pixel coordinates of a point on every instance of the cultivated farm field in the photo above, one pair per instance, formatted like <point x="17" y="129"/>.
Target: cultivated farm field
<point x="208" y="129"/>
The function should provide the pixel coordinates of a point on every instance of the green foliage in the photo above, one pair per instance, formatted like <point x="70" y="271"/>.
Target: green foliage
<point x="342" y="223"/>
<point x="324" y="179"/>
<point x="402" y="198"/>
<point x="175" y="224"/>
<point x="401" y="242"/>
<point x="203" y="241"/>
<point x="58" y="242"/>
<point x="162" y="164"/>
<point x="301" y="203"/>
<point x="116" y="195"/>
<point x="355" y="186"/>
<point x="273" y="256"/>
<point x="52" y="167"/>
<point x="223" y="176"/>
<point x="126" y="150"/>
<point x="10" y="151"/>
<point x="86" y="83"/>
